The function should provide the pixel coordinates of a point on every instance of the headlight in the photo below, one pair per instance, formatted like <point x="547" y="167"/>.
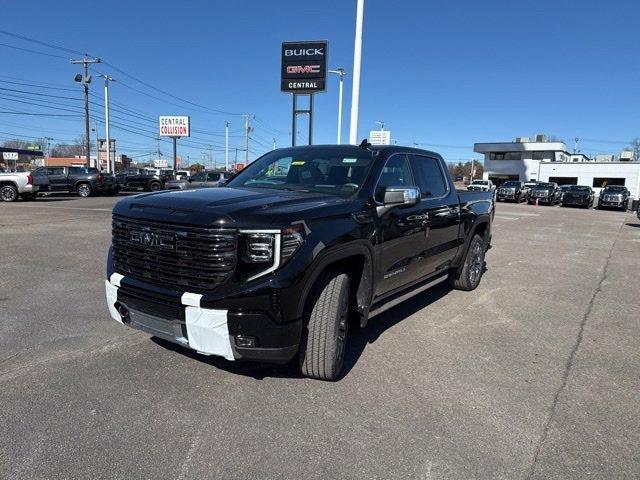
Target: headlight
<point x="263" y="251"/>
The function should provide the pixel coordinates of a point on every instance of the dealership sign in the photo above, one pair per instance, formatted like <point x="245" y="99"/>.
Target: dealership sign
<point x="174" y="126"/>
<point x="380" y="137"/>
<point x="304" y="67"/>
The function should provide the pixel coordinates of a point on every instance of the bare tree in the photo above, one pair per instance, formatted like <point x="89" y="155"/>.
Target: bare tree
<point x="635" y="146"/>
<point x="17" y="144"/>
<point x="69" y="150"/>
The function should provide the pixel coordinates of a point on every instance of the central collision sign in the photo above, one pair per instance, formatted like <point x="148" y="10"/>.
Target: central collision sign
<point x="174" y="126"/>
<point x="304" y="67"/>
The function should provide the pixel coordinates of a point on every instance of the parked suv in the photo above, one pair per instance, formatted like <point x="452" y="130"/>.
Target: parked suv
<point x="512" y="190"/>
<point x="205" y="179"/>
<point x="142" y="179"/>
<point x="81" y="180"/>
<point x="616" y="196"/>
<point x="548" y="193"/>
<point x="302" y="241"/>
<point x="578" y="196"/>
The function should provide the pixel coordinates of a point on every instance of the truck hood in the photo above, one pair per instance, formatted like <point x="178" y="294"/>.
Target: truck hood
<point x="231" y="207"/>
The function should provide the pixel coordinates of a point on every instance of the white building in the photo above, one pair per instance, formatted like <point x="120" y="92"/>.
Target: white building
<point x="544" y="161"/>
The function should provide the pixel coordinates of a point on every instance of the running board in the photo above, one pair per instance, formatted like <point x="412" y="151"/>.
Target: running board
<point x="403" y="297"/>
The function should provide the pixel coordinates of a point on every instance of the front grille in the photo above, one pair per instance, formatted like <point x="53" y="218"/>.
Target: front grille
<point x="186" y="257"/>
<point x="612" y="198"/>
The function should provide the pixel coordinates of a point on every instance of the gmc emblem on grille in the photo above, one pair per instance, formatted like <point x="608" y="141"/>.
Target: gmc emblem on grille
<point x="153" y="239"/>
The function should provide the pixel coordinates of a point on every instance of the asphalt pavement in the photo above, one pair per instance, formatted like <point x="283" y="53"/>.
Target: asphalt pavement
<point x="532" y="375"/>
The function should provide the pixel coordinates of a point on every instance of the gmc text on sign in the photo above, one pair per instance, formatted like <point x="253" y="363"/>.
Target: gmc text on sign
<point x="304" y="67"/>
<point x="174" y="126"/>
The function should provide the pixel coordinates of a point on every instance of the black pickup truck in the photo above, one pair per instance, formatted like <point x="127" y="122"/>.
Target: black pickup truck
<point x="277" y="262"/>
<point x="142" y="179"/>
<point x="81" y="180"/>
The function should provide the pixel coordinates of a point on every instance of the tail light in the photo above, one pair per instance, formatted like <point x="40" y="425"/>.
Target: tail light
<point x="29" y="180"/>
<point x="100" y="178"/>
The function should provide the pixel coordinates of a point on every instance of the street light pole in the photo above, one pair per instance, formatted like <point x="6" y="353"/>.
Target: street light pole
<point x="226" y="146"/>
<point x="341" y="73"/>
<point x="357" y="57"/>
<point x="110" y="165"/>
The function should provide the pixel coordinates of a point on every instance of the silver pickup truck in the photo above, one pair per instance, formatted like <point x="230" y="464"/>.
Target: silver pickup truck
<point x="15" y="185"/>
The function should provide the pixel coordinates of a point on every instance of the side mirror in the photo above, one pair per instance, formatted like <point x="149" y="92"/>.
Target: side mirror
<point x="189" y="179"/>
<point x="401" y="196"/>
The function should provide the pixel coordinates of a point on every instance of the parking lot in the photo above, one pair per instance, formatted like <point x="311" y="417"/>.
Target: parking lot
<point x="533" y="375"/>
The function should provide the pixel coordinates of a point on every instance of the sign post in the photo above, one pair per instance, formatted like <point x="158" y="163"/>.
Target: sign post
<point x="174" y="127"/>
<point x="303" y="72"/>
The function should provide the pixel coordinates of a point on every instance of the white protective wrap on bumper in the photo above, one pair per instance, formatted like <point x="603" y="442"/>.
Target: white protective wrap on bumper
<point x="207" y="329"/>
<point x="112" y="298"/>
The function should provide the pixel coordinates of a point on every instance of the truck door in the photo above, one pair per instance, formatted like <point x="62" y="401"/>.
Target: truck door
<point x="57" y="179"/>
<point x="441" y="205"/>
<point x="400" y="236"/>
<point x="41" y="178"/>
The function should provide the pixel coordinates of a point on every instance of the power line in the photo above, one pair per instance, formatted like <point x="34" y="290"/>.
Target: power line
<point x="39" y="42"/>
<point x="31" y="51"/>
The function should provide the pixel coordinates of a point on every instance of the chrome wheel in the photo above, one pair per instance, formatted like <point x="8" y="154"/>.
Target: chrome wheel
<point x="476" y="263"/>
<point x="8" y="193"/>
<point x="84" y="190"/>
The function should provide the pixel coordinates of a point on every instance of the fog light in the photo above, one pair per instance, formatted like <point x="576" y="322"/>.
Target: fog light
<point x="245" y="342"/>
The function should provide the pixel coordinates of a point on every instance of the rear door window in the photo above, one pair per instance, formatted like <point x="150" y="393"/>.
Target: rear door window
<point x="429" y="176"/>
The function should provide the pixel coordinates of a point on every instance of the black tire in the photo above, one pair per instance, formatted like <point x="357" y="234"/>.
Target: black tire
<point x="8" y="193"/>
<point x="324" y="337"/>
<point x="84" y="190"/>
<point x="155" y="187"/>
<point x="468" y="276"/>
<point x="29" y="196"/>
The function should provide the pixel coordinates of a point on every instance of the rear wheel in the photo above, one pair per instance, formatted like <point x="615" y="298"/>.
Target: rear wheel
<point x="84" y="190"/>
<point x="155" y="186"/>
<point x="8" y="193"/>
<point x="468" y="276"/>
<point x="324" y="338"/>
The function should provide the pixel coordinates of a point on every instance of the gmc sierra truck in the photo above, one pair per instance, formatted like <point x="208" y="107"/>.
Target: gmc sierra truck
<point x="297" y="246"/>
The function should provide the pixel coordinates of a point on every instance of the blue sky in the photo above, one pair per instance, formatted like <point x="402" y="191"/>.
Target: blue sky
<point x="442" y="74"/>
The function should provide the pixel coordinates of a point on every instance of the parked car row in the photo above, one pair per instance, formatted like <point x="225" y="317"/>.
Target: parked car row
<point x="550" y="193"/>
<point x="90" y="181"/>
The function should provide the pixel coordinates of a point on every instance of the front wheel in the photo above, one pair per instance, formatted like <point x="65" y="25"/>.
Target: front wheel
<point x="468" y="276"/>
<point x="8" y="193"/>
<point x="325" y="335"/>
<point x="155" y="186"/>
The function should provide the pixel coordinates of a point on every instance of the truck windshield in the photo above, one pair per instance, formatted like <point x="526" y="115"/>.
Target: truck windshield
<point x="308" y="170"/>
<point x="511" y="184"/>
<point x="579" y="188"/>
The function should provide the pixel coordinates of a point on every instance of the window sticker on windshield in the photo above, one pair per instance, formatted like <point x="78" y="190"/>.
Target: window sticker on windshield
<point x="297" y="163"/>
<point x="349" y="160"/>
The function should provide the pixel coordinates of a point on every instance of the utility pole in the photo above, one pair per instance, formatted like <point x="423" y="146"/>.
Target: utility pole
<point x="381" y="123"/>
<point x="211" y="158"/>
<point x="110" y="163"/>
<point x="357" y="57"/>
<point x="86" y="80"/>
<point x="247" y="131"/>
<point x="226" y="145"/>
<point x="274" y="144"/>
<point x="341" y="73"/>
<point x="575" y="145"/>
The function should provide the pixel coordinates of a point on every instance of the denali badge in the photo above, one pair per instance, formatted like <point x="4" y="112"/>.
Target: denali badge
<point x="153" y="239"/>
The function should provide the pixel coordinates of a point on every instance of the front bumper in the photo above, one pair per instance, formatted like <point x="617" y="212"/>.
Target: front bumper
<point x="602" y="203"/>
<point x="224" y="331"/>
